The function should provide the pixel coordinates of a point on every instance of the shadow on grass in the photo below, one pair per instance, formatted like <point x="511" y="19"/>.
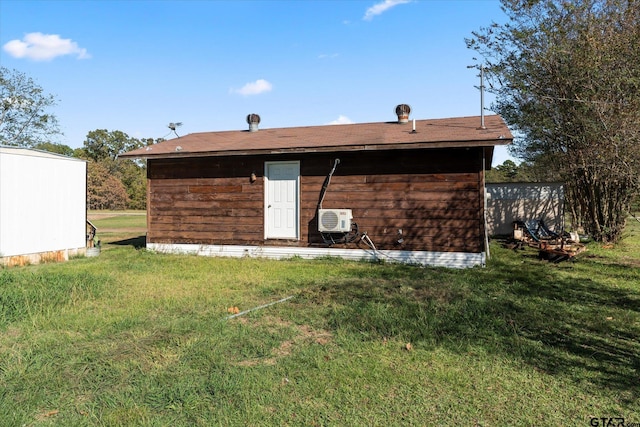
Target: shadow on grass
<point x="139" y="242"/>
<point x="572" y="325"/>
<point x="577" y="327"/>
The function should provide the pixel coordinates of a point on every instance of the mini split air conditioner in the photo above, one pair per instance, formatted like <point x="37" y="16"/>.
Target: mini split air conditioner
<point x="334" y="220"/>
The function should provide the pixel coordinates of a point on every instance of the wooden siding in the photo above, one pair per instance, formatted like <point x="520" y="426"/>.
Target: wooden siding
<point x="434" y="196"/>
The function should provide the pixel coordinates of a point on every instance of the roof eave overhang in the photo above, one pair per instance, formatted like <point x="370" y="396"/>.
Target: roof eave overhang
<point x="321" y="149"/>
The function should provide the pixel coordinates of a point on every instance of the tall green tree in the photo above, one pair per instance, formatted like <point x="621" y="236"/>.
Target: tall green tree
<point x="101" y="144"/>
<point x="566" y="75"/>
<point x="133" y="176"/>
<point x="51" y="147"/>
<point x="509" y="171"/>
<point x="506" y="172"/>
<point x="24" y="117"/>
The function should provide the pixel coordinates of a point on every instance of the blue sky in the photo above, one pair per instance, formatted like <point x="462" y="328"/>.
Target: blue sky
<point x="136" y="66"/>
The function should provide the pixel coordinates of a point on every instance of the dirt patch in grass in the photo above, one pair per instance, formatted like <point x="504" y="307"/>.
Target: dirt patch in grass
<point x="621" y="260"/>
<point x="631" y="262"/>
<point x="109" y="214"/>
<point x="441" y="294"/>
<point x="304" y="335"/>
<point x="13" y="332"/>
<point x="124" y="230"/>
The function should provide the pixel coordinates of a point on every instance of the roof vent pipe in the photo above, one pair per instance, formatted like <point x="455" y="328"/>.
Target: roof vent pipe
<point x="253" y="120"/>
<point x="403" y="111"/>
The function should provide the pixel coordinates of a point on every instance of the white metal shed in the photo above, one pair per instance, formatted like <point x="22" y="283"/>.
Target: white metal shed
<point x="524" y="201"/>
<point x="43" y="210"/>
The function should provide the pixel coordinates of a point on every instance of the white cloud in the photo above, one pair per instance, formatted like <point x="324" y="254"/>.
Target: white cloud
<point x="341" y="120"/>
<point x="44" y="47"/>
<point x="381" y="7"/>
<point x="254" y="88"/>
<point x="326" y="55"/>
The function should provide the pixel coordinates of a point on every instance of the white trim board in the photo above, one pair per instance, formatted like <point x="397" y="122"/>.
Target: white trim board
<point x="426" y="258"/>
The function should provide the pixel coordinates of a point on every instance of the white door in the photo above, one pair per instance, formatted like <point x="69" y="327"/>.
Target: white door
<point x="281" y="200"/>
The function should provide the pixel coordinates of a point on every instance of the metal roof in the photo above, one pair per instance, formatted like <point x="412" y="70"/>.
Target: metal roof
<point x="31" y="152"/>
<point x="434" y="133"/>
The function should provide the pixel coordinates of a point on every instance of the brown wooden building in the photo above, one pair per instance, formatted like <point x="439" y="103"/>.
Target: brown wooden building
<point x="409" y="191"/>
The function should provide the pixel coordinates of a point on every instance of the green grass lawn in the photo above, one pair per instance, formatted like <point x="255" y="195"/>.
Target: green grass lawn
<point x="137" y="338"/>
<point x="119" y="228"/>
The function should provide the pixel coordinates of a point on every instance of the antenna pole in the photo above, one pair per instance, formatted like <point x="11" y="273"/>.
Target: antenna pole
<point x="482" y="126"/>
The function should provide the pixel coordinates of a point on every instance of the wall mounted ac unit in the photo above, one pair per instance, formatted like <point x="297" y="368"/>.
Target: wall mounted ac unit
<point x="334" y="220"/>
